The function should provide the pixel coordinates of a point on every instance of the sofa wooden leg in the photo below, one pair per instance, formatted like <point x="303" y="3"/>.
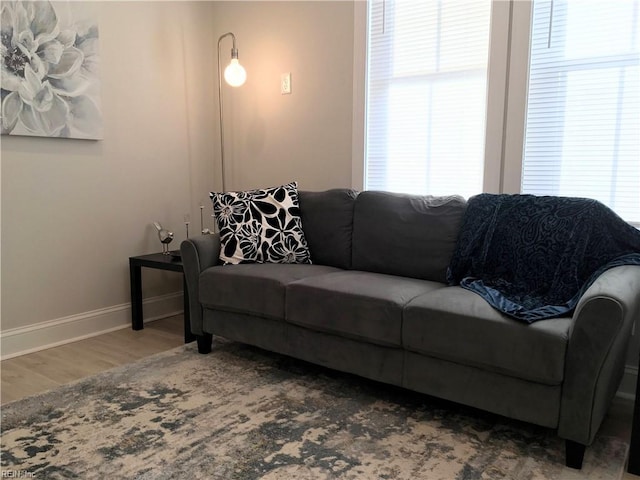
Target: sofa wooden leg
<point x="204" y="342"/>
<point x="574" y="454"/>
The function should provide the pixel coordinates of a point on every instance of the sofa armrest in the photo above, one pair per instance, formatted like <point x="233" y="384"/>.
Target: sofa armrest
<point x="597" y="349"/>
<point x="198" y="254"/>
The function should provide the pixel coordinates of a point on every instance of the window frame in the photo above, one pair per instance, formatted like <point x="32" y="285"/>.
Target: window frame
<point x="562" y="68"/>
<point x="506" y="86"/>
<point x="507" y="95"/>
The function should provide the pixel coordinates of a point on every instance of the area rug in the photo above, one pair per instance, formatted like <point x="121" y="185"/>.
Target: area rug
<point x="243" y="413"/>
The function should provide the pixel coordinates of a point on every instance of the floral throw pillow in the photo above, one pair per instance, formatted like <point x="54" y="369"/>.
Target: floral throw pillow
<point x="260" y="226"/>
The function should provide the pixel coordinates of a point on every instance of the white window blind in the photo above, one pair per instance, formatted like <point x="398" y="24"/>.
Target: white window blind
<point x="426" y="96"/>
<point x="583" y="114"/>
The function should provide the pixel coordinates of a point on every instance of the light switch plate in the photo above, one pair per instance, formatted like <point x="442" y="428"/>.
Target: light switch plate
<point x="285" y="83"/>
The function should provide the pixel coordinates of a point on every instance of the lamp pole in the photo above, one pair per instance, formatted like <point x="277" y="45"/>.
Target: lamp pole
<point x="235" y="76"/>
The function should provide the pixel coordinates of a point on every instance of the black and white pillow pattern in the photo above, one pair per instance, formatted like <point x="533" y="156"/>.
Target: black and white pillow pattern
<point x="260" y="226"/>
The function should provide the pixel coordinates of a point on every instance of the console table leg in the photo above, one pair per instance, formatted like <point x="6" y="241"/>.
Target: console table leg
<point x="135" y="276"/>
<point x="188" y="336"/>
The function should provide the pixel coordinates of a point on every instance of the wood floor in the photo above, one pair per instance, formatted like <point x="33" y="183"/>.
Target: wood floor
<point x="40" y="371"/>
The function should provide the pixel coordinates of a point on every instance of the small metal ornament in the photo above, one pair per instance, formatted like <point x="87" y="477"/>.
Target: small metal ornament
<point x="203" y="231"/>
<point x="165" y="236"/>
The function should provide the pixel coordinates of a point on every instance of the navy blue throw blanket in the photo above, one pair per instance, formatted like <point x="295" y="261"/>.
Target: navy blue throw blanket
<point x="533" y="257"/>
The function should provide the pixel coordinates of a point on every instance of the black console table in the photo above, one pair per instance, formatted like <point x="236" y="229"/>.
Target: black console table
<point x="161" y="262"/>
<point x="634" y="448"/>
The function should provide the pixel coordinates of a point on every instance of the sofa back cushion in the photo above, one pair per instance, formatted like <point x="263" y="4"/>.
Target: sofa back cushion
<point x="407" y="235"/>
<point x="327" y="222"/>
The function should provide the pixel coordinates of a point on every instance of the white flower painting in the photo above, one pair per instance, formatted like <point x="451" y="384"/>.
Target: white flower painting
<point x="50" y="81"/>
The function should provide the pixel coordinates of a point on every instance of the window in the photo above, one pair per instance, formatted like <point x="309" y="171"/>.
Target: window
<point x="563" y="82"/>
<point x="427" y="77"/>
<point x="583" y="111"/>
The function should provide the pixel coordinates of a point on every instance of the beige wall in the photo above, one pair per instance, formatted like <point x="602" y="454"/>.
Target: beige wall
<point x="305" y="136"/>
<point x="74" y="211"/>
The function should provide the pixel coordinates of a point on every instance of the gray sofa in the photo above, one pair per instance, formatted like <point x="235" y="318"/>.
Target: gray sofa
<point x="375" y="303"/>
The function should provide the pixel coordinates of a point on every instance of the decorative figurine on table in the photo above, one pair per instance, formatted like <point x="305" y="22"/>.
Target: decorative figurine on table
<point x="187" y="221"/>
<point x="165" y="236"/>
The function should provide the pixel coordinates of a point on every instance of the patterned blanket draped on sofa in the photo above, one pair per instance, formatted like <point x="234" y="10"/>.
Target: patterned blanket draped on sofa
<point x="533" y="257"/>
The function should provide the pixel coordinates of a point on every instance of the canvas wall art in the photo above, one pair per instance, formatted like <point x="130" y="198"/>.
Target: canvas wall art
<point x="50" y="81"/>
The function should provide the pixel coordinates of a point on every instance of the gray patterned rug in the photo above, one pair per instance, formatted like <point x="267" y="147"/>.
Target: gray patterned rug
<point x="242" y="413"/>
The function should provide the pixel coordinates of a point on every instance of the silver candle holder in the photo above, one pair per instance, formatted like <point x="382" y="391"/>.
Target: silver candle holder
<point x="203" y="231"/>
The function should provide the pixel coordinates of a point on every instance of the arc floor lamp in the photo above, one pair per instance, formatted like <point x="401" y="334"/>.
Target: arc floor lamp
<point x="235" y="75"/>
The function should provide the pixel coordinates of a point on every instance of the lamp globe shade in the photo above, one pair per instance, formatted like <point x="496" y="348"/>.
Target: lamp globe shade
<point x="235" y="74"/>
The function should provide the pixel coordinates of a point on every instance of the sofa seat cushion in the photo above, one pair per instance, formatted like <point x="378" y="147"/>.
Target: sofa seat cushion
<point x="360" y="305"/>
<point x="256" y="289"/>
<point x="460" y="326"/>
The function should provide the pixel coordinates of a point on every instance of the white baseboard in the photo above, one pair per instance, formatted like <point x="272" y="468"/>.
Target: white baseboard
<point x="23" y="340"/>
